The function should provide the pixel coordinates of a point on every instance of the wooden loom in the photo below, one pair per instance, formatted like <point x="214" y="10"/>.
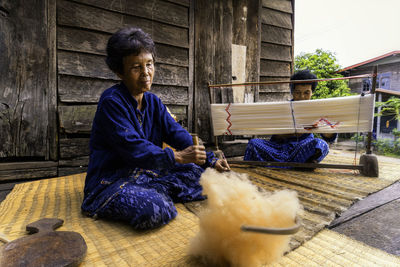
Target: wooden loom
<point x="334" y="115"/>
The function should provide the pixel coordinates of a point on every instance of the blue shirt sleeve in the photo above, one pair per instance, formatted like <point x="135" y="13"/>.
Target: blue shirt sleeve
<point x="179" y="138"/>
<point x="123" y="136"/>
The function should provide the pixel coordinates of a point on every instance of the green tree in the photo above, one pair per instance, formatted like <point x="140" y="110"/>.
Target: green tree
<point x="390" y="108"/>
<point x="323" y="64"/>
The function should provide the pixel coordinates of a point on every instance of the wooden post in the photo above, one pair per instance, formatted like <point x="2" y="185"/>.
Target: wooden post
<point x="378" y="119"/>
<point x="203" y="67"/>
<point x="368" y="160"/>
<point x="191" y="67"/>
<point x="372" y="92"/>
<point x="52" y="79"/>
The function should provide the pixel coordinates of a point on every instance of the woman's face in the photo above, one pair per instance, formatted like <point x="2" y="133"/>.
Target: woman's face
<point x="302" y="92"/>
<point x="138" y="72"/>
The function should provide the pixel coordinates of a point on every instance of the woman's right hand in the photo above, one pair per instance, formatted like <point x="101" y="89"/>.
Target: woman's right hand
<point x="192" y="154"/>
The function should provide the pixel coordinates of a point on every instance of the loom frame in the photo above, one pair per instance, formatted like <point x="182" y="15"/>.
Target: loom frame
<point x="368" y="164"/>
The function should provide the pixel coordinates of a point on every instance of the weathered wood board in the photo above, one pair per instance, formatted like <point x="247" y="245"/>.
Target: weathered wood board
<point x="280" y="5"/>
<point x="85" y="41"/>
<point x="276" y="55"/>
<point x="276" y="52"/>
<point x="87" y="17"/>
<point x="276" y="18"/>
<point x="27" y="170"/>
<point x="78" y="119"/>
<point x="246" y="32"/>
<point x="275" y="68"/>
<point x="276" y="35"/>
<point x="73" y="89"/>
<point x="176" y="15"/>
<point x="94" y="66"/>
<point x="24" y="83"/>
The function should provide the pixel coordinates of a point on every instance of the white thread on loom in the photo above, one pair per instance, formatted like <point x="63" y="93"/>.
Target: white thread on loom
<point x="358" y="134"/>
<point x="293" y="118"/>
<point x="332" y="115"/>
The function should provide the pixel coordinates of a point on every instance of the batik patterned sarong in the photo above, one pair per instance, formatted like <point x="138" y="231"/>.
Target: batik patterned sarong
<point x="305" y="148"/>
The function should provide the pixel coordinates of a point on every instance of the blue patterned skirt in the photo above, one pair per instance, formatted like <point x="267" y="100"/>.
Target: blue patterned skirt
<point x="305" y="148"/>
<point x="145" y="198"/>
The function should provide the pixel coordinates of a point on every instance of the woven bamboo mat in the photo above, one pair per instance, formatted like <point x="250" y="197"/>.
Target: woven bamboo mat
<point x="323" y="194"/>
<point x="109" y="243"/>
<point x="329" y="248"/>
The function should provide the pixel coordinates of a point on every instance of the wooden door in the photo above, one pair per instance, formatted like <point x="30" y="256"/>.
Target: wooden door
<point x="26" y="84"/>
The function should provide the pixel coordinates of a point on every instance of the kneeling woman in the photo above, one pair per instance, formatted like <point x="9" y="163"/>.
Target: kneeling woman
<point x="292" y="148"/>
<point x="130" y="177"/>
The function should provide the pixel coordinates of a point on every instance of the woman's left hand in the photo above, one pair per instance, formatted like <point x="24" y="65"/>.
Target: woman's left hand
<point x="222" y="165"/>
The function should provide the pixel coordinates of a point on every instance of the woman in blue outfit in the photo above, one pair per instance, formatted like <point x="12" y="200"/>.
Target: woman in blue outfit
<point x="288" y="147"/>
<point x="130" y="177"/>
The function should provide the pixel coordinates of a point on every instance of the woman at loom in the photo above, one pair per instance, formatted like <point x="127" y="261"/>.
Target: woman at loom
<point x="288" y="147"/>
<point x="130" y="177"/>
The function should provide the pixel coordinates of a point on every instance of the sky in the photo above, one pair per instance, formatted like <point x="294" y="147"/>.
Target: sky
<point x="355" y="30"/>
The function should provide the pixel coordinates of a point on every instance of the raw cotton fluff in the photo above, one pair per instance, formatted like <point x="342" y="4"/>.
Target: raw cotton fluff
<point x="233" y="201"/>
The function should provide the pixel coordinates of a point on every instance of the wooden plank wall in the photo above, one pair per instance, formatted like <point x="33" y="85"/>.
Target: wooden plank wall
<point x="246" y="25"/>
<point x="83" y="28"/>
<point x="213" y="52"/>
<point x="276" y="55"/>
<point x="25" y="84"/>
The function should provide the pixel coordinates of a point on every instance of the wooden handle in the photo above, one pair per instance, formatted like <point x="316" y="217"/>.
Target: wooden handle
<point x="44" y="225"/>
<point x="195" y="139"/>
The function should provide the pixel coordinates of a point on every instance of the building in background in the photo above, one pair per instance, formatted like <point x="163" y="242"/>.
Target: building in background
<point x="387" y="85"/>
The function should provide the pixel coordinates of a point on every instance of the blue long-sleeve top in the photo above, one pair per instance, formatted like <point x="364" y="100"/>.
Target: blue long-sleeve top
<point x="124" y="138"/>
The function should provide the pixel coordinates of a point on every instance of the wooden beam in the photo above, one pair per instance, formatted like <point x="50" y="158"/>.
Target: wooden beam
<point x="27" y="170"/>
<point x="369" y="140"/>
<point x="190" y="114"/>
<point x="295" y="164"/>
<point x="27" y="165"/>
<point x="247" y="32"/>
<point x="25" y="81"/>
<point x="222" y="35"/>
<point x="74" y="147"/>
<point x="203" y="67"/>
<point x="75" y="162"/>
<point x="52" y="133"/>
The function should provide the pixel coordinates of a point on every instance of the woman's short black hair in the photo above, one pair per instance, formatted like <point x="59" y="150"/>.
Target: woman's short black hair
<point x="303" y="75"/>
<point x="125" y="42"/>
